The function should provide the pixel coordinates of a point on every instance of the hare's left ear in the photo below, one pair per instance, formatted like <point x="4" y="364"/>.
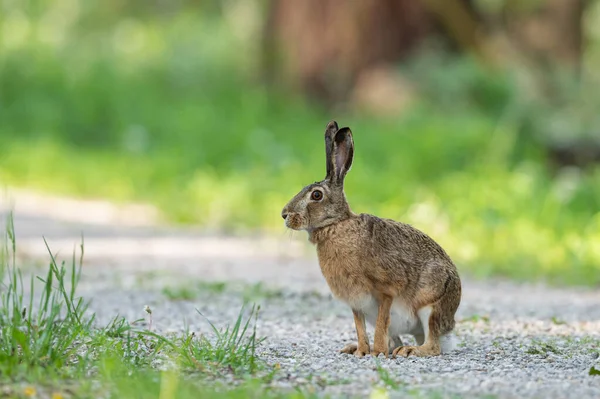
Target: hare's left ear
<point x="342" y="154"/>
<point x="330" y="130"/>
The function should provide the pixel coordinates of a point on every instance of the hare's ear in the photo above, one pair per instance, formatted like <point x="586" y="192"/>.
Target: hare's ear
<point x="332" y="128"/>
<point x="343" y="153"/>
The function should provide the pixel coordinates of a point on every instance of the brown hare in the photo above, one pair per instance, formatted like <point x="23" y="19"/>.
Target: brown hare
<point x="389" y="273"/>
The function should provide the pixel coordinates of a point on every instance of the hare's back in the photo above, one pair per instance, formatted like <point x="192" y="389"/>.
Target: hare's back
<point x="398" y="257"/>
<point x="387" y="237"/>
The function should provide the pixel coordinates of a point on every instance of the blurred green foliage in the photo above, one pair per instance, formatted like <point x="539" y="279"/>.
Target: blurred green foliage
<point x="156" y="102"/>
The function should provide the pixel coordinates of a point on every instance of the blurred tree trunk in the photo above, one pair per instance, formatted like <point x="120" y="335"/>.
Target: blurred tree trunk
<point x="550" y="32"/>
<point x="550" y="35"/>
<point x="323" y="46"/>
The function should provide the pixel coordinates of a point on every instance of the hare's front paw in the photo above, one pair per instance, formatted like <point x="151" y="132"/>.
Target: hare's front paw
<point x="376" y="351"/>
<point x="420" y="351"/>
<point x="353" y="349"/>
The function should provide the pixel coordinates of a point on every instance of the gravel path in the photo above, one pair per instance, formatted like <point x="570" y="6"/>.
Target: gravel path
<point x="516" y="340"/>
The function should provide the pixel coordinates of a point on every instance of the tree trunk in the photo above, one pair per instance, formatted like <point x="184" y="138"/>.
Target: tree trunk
<point x="551" y="33"/>
<point x="322" y="46"/>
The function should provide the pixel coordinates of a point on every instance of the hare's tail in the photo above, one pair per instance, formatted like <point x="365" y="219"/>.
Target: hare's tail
<point x="448" y="342"/>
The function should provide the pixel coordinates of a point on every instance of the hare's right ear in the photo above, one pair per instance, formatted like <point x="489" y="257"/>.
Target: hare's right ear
<point x="342" y="155"/>
<point x="330" y="131"/>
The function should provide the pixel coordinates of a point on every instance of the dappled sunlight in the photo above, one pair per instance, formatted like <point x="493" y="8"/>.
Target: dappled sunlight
<point x="129" y="38"/>
<point x="56" y="22"/>
<point x="15" y="30"/>
<point x="219" y="200"/>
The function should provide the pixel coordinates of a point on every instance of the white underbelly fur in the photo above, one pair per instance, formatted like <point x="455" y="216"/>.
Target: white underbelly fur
<point x="402" y="320"/>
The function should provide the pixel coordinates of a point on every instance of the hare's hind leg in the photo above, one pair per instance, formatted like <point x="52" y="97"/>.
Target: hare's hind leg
<point x="429" y="343"/>
<point x="437" y="321"/>
<point x="420" y="338"/>
<point x="361" y="348"/>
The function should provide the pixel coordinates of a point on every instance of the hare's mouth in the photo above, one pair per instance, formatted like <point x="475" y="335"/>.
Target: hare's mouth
<point x="294" y="221"/>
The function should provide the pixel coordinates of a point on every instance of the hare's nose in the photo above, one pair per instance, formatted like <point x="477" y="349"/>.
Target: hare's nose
<point x="284" y="215"/>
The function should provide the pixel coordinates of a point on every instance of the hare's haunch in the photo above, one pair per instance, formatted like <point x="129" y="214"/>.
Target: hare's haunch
<point x="390" y="274"/>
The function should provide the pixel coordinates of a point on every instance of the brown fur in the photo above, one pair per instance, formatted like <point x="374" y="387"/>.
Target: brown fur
<point x="363" y="256"/>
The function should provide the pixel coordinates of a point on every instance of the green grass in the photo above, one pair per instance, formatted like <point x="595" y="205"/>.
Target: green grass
<point x="48" y="338"/>
<point x="178" y="123"/>
<point x="542" y="348"/>
<point x="230" y="348"/>
<point x="386" y="378"/>
<point x="248" y="292"/>
<point x="189" y="291"/>
<point x="179" y="293"/>
<point x="476" y="318"/>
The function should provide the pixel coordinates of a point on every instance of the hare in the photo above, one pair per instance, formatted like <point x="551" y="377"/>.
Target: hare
<point x="390" y="274"/>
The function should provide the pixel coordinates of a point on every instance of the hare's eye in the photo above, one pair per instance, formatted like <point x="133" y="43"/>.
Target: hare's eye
<point x="316" y="195"/>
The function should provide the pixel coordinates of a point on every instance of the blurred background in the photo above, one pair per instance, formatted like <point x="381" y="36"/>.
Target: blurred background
<point x="477" y="121"/>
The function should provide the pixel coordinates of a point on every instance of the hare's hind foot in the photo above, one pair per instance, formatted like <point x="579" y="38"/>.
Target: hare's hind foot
<point x="420" y="351"/>
<point x="430" y="342"/>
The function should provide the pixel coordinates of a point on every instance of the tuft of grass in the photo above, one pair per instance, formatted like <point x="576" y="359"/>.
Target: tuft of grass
<point x="541" y="348"/>
<point x="248" y="292"/>
<point x="53" y="335"/>
<point x="230" y="349"/>
<point x="188" y="292"/>
<point x="179" y="294"/>
<point x="476" y="318"/>
<point x="385" y="377"/>
<point x="214" y="287"/>
<point x="259" y="291"/>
